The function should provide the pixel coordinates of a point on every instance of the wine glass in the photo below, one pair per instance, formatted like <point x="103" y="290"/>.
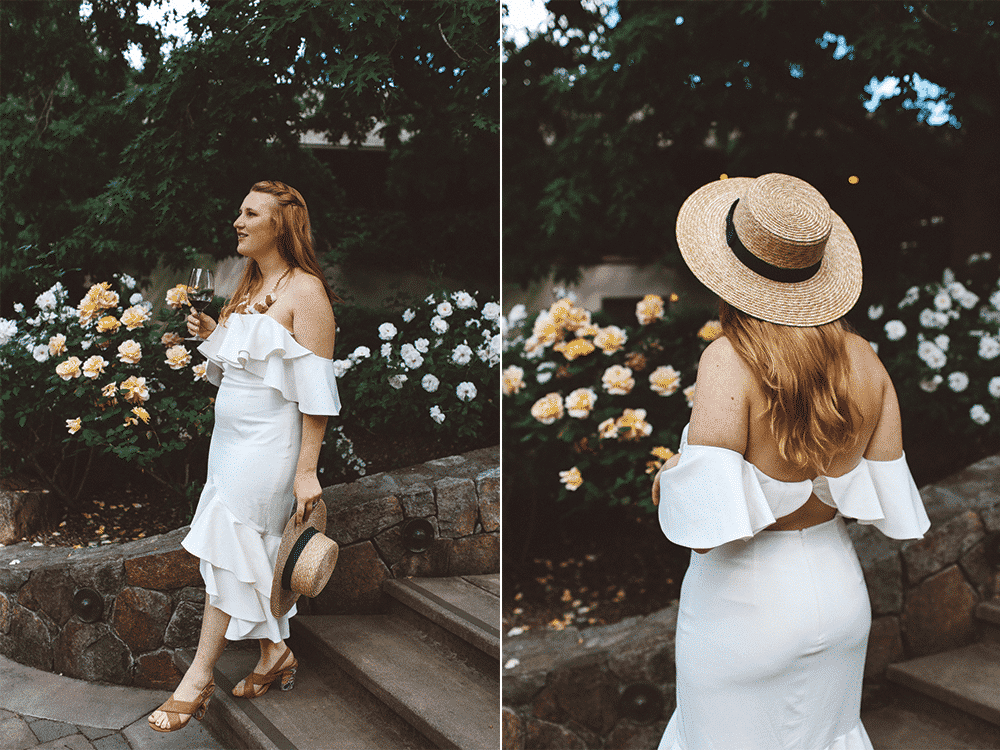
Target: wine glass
<point x="201" y="292"/>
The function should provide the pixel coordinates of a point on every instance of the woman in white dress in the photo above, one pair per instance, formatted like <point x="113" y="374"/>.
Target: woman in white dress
<point x="795" y="425"/>
<point x="271" y="354"/>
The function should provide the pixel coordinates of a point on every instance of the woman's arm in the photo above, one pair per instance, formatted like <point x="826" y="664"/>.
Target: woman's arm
<point x="314" y="327"/>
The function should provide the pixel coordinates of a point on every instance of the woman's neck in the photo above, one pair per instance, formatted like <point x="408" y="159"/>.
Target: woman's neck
<point x="271" y="267"/>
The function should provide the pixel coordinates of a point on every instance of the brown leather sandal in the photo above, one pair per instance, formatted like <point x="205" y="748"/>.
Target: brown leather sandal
<point x="286" y="673"/>
<point x="174" y="708"/>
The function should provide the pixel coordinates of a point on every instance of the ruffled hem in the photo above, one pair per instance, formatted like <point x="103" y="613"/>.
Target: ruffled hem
<point x="856" y="739"/>
<point x="237" y="565"/>
<point x="269" y="351"/>
<point x="714" y="496"/>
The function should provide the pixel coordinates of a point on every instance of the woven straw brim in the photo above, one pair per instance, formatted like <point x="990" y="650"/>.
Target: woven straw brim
<point x="283" y="599"/>
<point x="701" y="236"/>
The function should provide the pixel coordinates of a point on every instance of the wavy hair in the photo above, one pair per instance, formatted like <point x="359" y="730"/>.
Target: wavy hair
<point x="294" y="239"/>
<point x="804" y="374"/>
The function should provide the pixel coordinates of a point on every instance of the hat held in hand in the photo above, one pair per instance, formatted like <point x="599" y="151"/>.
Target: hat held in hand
<point x="306" y="559"/>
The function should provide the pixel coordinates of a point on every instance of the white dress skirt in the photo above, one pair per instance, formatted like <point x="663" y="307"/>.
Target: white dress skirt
<point x="267" y="380"/>
<point x="773" y="626"/>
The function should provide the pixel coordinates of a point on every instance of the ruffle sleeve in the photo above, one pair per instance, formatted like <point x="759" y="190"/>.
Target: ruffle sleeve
<point x="879" y="493"/>
<point x="262" y="346"/>
<point x="711" y="497"/>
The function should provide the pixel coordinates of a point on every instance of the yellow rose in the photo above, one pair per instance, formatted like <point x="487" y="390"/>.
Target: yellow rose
<point x="689" y="395"/>
<point x="134" y="317"/>
<point x="177" y="357"/>
<point x="74" y="425"/>
<point x="131" y="421"/>
<point x="607" y="429"/>
<point x="200" y="371"/>
<point x="560" y="311"/>
<point x="580" y="402"/>
<point x="177" y="297"/>
<point x="577" y="318"/>
<point x="94" y="366"/>
<point x="574" y="348"/>
<point x="650" y="308"/>
<point x="572" y="478"/>
<point x="86" y="311"/>
<point x="618" y="380"/>
<point x="107" y="299"/>
<point x="57" y="344"/>
<point x="632" y="424"/>
<point x="136" y="390"/>
<point x="109" y="390"/>
<point x="587" y="329"/>
<point x="610" y="339"/>
<point x="130" y="351"/>
<point x="171" y="339"/>
<point x="141" y="413"/>
<point x="108" y="324"/>
<point x="548" y="408"/>
<point x="665" y="380"/>
<point x="710" y="331"/>
<point x="512" y="380"/>
<point x="546" y="330"/>
<point x="69" y="369"/>
<point x="662" y="453"/>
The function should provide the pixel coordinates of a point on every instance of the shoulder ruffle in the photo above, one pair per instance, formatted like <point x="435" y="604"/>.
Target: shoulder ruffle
<point x="714" y="496"/>
<point x="268" y="350"/>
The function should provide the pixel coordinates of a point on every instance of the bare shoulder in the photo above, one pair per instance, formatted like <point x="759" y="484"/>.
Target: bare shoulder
<point x="721" y="357"/>
<point x="312" y="316"/>
<point x="721" y="400"/>
<point x="864" y="361"/>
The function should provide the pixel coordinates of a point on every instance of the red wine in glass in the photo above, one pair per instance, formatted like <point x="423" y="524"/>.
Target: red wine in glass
<point x="201" y="291"/>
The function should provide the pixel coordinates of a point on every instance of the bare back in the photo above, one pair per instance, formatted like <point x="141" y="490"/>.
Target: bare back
<point x="730" y="412"/>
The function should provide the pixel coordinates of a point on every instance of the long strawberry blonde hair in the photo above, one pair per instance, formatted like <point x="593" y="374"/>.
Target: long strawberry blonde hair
<point x="295" y="243"/>
<point x="804" y="374"/>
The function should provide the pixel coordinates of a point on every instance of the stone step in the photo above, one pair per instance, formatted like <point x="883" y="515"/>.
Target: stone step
<point x="314" y="715"/>
<point x="467" y="607"/>
<point x="988" y="618"/>
<point x="966" y="678"/>
<point x="899" y="728"/>
<point x="452" y="704"/>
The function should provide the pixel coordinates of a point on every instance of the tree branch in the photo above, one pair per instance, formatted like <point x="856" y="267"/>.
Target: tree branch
<point x="449" y="44"/>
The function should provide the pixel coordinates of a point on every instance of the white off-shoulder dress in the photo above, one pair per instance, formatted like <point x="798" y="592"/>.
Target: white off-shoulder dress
<point x="266" y="380"/>
<point x="773" y="625"/>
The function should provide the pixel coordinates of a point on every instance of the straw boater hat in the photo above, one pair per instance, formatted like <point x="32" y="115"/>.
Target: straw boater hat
<point x="772" y="248"/>
<point x="306" y="559"/>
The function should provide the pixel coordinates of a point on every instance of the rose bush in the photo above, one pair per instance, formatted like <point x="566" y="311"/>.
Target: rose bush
<point x="592" y="409"/>
<point x="102" y="377"/>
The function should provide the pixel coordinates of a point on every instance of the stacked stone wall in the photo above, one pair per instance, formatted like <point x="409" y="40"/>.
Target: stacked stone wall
<point x="614" y="686"/>
<point x="146" y="598"/>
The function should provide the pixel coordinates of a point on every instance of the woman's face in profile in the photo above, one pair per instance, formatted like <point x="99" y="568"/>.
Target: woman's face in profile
<point x="254" y="226"/>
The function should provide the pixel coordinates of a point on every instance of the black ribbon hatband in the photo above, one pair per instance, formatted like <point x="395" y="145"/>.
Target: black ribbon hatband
<point x="765" y="269"/>
<point x="293" y="557"/>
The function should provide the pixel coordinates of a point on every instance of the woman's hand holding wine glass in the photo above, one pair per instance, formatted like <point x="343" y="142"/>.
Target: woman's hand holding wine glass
<point x="201" y="292"/>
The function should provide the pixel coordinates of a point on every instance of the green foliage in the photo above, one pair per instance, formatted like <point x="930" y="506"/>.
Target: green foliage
<point x="607" y="130"/>
<point x="116" y="381"/>
<point x="125" y="168"/>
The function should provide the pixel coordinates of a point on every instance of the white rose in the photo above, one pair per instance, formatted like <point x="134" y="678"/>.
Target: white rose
<point x="444" y="309"/>
<point x="979" y="414"/>
<point x="942" y="341"/>
<point x="895" y="330"/>
<point x="466" y="391"/>
<point x="8" y="329"/>
<point x="958" y="381"/>
<point x="18" y="307"/>
<point x="408" y="315"/>
<point x="438" y="324"/>
<point x="491" y="311"/>
<point x="429" y="383"/>
<point x="931" y="384"/>
<point x="386" y="331"/>
<point x="931" y="354"/>
<point x="933" y="319"/>
<point x="411" y="357"/>
<point x="875" y="312"/>
<point x="46" y="300"/>
<point x="135" y="299"/>
<point x="461" y="355"/>
<point x="994" y="387"/>
<point x="422" y="345"/>
<point x="942" y="300"/>
<point x="40" y="352"/>
<point x="436" y="414"/>
<point x="463" y="300"/>
<point x="362" y="352"/>
<point x="989" y="347"/>
<point x="396" y="381"/>
<point x="341" y="366"/>
<point x="386" y="350"/>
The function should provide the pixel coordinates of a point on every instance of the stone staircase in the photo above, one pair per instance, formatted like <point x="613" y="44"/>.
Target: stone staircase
<point x="950" y="699"/>
<point x="424" y="675"/>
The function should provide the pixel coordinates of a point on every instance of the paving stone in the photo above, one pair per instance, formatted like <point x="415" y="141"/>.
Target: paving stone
<point x="46" y="730"/>
<point x="94" y="733"/>
<point x="70" y="742"/>
<point x="977" y="568"/>
<point x="4" y="715"/>
<point x="113" y="741"/>
<point x="15" y="734"/>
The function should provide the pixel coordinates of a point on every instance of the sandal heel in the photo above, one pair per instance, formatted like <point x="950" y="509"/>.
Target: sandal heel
<point x="288" y="679"/>
<point x="200" y="713"/>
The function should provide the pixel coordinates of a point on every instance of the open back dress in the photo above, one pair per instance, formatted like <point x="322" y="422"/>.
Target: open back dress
<point x="773" y="626"/>
<point x="267" y="381"/>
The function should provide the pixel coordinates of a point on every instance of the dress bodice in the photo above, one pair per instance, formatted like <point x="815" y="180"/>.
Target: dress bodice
<point x="261" y="346"/>
<point x="714" y="496"/>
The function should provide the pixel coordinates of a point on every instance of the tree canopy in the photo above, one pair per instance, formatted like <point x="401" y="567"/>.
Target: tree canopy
<point x="114" y="168"/>
<point x="608" y="129"/>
